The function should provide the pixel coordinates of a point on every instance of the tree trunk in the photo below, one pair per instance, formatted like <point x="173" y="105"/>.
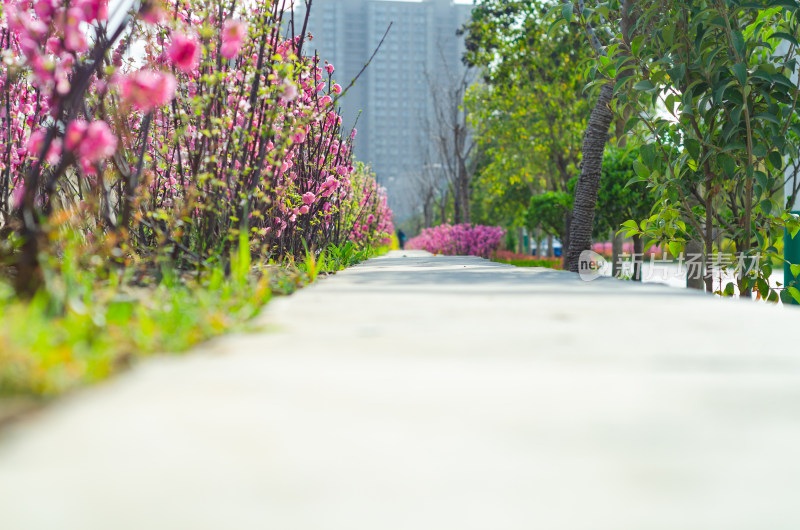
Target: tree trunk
<point x="550" y="250"/>
<point x="616" y="254"/>
<point x="694" y="277"/>
<point x="463" y="177"/>
<point x="638" y="257"/>
<point x="456" y="204"/>
<point x="520" y="241"/>
<point x="427" y="209"/>
<point x="594" y="143"/>
<point x="565" y="241"/>
<point x="28" y="277"/>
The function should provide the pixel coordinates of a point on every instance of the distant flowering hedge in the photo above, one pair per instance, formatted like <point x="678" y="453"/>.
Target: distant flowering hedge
<point x="459" y="240"/>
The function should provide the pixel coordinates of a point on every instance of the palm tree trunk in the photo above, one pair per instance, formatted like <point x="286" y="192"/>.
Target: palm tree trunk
<point x="594" y="143"/>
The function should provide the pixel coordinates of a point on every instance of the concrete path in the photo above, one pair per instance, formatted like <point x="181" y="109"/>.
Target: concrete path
<point x="430" y="393"/>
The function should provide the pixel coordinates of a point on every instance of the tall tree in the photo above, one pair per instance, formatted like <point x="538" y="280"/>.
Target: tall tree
<point x="708" y="84"/>
<point x="530" y="111"/>
<point x="596" y="136"/>
<point x="455" y="145"/>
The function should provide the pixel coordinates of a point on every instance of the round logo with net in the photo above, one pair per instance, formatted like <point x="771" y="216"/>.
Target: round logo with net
<point x="592" y="265"/>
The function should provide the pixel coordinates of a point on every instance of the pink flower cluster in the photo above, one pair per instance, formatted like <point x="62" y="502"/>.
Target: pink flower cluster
<point x="368" y="214"/>
<point x="147" y="89"/>
<point x="233" y="35"/>
<point x="459" y="240"/>
<point x="252" y="141"/>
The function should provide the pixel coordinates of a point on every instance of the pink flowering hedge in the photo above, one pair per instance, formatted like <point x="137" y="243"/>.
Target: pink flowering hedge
<point x="174" y="128"/>
<point x="459" y="240"/>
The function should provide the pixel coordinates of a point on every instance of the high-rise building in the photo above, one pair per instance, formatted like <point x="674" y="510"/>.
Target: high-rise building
<point x="392" y="98"/>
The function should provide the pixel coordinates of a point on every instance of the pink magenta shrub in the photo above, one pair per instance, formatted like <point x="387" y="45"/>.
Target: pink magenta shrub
<point x="459" y="240"/>
<point x="368" y="213"/>
<point x="175" y="129"/>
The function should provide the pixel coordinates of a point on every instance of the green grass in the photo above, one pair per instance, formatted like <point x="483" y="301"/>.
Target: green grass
<point x="550" y="264"/>
<point x="85" y="326"/>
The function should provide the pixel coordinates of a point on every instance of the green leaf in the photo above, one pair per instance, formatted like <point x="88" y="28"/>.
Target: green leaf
<point x="648" y="155"/>
<point x="761" y="74"/>
<point x="738" y="43"/>
<point x="675" y="248"/>
<point x="557" y="23"/>
<point x="567" y="10"/>
<point x="719" y="91"/>
<point x="791" y="5"/>
<point x="677" y="74"/>
<point x="736" y="114"/>
<point x="730" y="289"/>
<point x="795" y="293"/>
<point x="784" y="36"/>
<point x="693" y="146"/>
<point x="767" y="116"/>
<point x="763" y="287"/>
<point x="728" y="164"/>
<point x="733" y="146"/>
<point x="795" y="270"/>
<point x="641" y="169"/>
<point x="740" y="71"/>
<point x="773" y="296"/>
<point x="776" y="159"/>
<point x="766" y="206"/>
<point x="668" y="34"/>
<point x="621" y="82"/>
<point x="643" y="85"/>
<point x="631" y="123"/>
<point x="636" y="44"/>
<point x="786" y="298"/>
<point x="761" y="178"/>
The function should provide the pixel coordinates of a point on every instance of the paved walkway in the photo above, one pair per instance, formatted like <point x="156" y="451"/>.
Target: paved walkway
<point x="429" y="393"/>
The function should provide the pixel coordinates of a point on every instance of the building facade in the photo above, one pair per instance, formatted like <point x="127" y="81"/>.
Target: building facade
<point x="391" y="101"/>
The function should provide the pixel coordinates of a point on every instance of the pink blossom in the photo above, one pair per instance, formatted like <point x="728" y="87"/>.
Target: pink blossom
<point x="354" y="133"/>
<point x="90" y="141"/>
<point x="151" y="12"/>
<point x="233" y="34"/>
<point x="99" y="143"/>
<point x="303" y="210"/>
<point x="309" y="198"/>
<point x="184" y="52"/>
<point x="337" y="89"/>
<point x="17" y="195"/>
<point x="289" y="91"/>
<point x="36" y="142"/>
<point x="74" y="38"/>
<point x="44" y="9"/>
<point x="329" y="68"/>
<point x="147" y="89"/>
<point x="76" y="130"/>
<point x="325" y="101"/>
<point x="93" y="10"/>
<point x="462" y="239"/>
